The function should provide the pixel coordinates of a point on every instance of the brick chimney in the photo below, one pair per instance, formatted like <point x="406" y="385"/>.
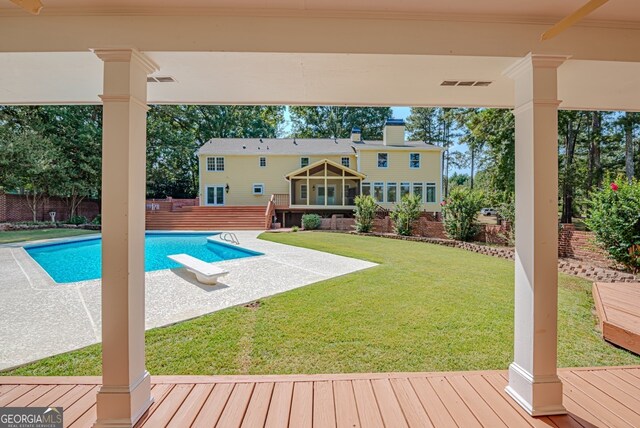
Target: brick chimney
<point x="356" y="134"/>
<point x="393" y="133"/>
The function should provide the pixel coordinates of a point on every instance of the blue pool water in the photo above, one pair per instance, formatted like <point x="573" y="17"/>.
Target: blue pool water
<point x="82" y="260"/>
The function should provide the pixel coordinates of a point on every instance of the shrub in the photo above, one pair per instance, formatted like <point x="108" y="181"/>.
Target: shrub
<point x="77" y="219"/>
<point x="311" y="221"/>
<point x="365" y="213"/>
<point x="405" y="214"/>
<point x="295" y="229"/>
<point x="507" y="211"/>
<point x="614" y="217"/>
<point x="460" y="213"/>
<point x="97" y="220"/>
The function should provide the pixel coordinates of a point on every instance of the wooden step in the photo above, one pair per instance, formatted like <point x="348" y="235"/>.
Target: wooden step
<point x="207" y="218"/>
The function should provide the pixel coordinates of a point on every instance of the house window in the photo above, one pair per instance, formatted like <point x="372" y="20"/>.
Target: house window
<point x="392" y="192"/>
<point x="345" y="162"/>
<point x="303" y="191"/>
<point x="383" y="160"/>
<point x="414" y="160"/>
<point x="258" y="189"/>
<point x="263" y="162"/>
<point x="366" y="189"/>
<point x="431" y="193"/>
<point x="418" y="189"/>
<point x="215" y="164"/>
<point x="405" y="189"/>
<point x="304" y="162"/>
<point x="378" y="192"/>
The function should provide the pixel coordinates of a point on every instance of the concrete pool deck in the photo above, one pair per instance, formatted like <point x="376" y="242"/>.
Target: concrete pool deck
<point x="39" y="318"/>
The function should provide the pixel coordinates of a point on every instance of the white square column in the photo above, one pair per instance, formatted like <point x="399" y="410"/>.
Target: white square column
<point x="126" y="386"/>
<point x="533" y="379"/>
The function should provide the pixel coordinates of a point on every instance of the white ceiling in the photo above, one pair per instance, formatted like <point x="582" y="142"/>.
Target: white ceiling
<point x="280" y="78"/>
<point x="616" y="10"/>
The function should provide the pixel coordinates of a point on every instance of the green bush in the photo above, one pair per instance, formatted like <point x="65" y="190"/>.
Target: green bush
<point x="97" y="220"/>
<point x="614" y="217"/>
<point x="405" y="214"/>
<point x="365" y="213"/>
<point x="295" y="229"/>
<point x="460" y="212"/>
<point x="311" y="221"/>
<point x="77" y="219"/>
<point x="507" y="211"/>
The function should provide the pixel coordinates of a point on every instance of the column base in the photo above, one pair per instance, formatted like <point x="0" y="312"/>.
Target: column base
<point x="539" y="396"/>
<point x="123" y="406"/>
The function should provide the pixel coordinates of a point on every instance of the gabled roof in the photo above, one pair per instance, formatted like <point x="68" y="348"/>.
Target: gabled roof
<point x="299" y="146"/>
<point x="351" y="172"/>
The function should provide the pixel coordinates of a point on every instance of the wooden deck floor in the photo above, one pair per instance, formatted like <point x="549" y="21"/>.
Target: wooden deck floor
<point x="618" y="308"/>
<point x="594" y="397"/>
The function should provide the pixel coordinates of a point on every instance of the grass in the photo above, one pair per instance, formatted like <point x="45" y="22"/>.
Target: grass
<point x="10" y="236"/>
<point x="424" y="308"/>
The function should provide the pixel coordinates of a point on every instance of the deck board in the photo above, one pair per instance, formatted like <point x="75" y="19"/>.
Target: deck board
<point x="432" y="404"/>
<point x="594" y="397"/>
<point x="258" y="406"/>
<point x="618" y="309"/>
<point x="367" y="405"/>
<point x="302" y="405"/>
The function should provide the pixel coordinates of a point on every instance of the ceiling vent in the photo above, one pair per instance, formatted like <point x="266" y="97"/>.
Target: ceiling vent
<point x="466" y="83"/>
<point x="160" y="79"/>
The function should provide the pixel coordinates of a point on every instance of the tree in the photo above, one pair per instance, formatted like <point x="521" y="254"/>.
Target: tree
<point x="594" y="178"/>
<point x="175" y="133"/>
<point x="37" y="166"/>
<point x="570" y="126"/>
<point x="422" y="124"/>
<point x="76" y="131"/>
<point x="492" y="132"/>
<point x="629" y="122"/>
<point x="337" y="122"/>
<point x="457" y="179"/>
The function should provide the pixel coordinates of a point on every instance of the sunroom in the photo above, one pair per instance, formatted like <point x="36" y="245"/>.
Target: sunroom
<point x="324" y="184"/>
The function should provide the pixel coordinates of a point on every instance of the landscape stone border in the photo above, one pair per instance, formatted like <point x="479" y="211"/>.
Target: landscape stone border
<point x="567" y="266"/>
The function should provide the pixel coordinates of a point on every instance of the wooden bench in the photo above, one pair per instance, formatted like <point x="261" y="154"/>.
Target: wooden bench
<point x="206" y="273"/>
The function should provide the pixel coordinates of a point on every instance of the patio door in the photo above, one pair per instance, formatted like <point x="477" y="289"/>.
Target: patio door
<point x="331" y="195"/>
<point x="215" y="195"/>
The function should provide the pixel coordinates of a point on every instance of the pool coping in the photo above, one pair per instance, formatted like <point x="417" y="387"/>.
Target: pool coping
<point x="28" y="295"/>
<point x="209" y="236"/>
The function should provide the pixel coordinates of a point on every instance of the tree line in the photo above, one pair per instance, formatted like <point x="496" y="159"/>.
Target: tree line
<point x="56" y="150"/>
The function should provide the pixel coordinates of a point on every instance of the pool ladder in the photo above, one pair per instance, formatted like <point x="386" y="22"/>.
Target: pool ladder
<point x="229" y="237"/>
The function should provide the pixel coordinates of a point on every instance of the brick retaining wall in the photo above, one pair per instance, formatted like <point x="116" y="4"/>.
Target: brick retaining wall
<point x="14" y="208"/>
<point x="581" y="245"/>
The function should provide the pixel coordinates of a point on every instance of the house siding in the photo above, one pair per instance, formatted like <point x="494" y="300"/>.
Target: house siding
<point x="398" y="170"/>
<point x="241" y="172"/>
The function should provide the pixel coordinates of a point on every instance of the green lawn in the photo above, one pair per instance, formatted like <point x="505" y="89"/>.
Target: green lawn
<point x="425" y="308"/>
<point x="33" y="235"/>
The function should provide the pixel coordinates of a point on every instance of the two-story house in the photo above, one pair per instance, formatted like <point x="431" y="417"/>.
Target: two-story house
<point x="320" y="175"/>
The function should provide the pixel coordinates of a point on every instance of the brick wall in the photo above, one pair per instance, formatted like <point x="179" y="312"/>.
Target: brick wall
<point x="581" y="245"/>
<point x="14" y="208"/>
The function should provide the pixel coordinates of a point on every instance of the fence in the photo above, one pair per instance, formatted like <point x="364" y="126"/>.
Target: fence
<point x="14" y="208"/>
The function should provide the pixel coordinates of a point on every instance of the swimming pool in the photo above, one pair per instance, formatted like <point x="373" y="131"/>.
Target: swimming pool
<point x="82" y="260"/>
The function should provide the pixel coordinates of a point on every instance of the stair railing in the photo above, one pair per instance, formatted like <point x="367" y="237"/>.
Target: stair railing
<point x="268" y="215"/>
<point x="230" y="237"/>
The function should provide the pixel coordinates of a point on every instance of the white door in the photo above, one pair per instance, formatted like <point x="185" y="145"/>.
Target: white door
<point x="215" y="195"/>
